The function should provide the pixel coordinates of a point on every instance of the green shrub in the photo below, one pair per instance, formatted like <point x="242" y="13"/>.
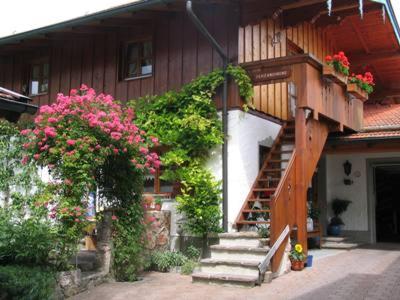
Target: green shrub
<point x="188" y="267"/>
<point x="20" y="283"/>
<point x="193" y="253"/>
<point x="25" y="241"/>
<point x="164" y="261"/>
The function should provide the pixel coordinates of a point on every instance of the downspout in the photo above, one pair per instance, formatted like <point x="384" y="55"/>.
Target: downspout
<point x="203" y="30"/>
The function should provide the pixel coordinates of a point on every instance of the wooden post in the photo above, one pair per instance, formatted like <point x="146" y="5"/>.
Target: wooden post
<point x="301" y="184"/>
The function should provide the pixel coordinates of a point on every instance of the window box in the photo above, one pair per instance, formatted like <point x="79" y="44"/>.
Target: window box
<point x="357" y="92"/>
<point x="331" y="74"/>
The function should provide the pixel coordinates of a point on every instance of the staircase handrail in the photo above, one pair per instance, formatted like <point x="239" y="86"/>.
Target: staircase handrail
<point x="280" y="209"/>
<point x="264" y="264"/>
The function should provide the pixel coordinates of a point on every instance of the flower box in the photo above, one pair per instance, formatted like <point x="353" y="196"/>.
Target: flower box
<point x="330" y="73"/>
<point x="357" y="92"/>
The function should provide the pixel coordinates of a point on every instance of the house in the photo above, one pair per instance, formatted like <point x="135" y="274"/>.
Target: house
<point x="304" y="125"/>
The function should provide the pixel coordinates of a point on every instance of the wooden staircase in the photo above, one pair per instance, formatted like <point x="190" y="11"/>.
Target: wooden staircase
<point x="256" y="208"/>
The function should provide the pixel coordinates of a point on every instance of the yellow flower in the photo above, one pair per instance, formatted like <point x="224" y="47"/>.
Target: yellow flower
<point x="298" y="248"/>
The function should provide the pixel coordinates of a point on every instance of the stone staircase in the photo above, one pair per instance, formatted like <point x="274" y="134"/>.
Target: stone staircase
<point x="234" y="261"/>
<point x="338" y="242"/>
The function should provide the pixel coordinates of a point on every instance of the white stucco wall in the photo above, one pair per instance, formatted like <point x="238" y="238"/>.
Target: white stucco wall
<point x="246" y="133"/>
<point x="356" y="217"/>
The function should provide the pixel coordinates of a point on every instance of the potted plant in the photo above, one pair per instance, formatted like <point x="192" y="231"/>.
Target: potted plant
<point x="336" y="68"/>
<point x="360" y="86"/>
<point x="339" y="206"/>
<point x="297" y="258"/>
<point x="157" y="204"/>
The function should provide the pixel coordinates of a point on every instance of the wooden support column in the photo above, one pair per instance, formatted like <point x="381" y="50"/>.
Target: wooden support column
<point x="301" y="188"/>
<point x="311" y="136"/>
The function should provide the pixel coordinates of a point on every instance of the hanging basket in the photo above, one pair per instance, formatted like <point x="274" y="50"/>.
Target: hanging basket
<point x="357" y="92"/>
<point x="331" y="74"/>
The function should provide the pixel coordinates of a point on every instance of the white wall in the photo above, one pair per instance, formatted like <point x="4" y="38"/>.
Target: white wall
<point x="246" y="133"/>
<point x="356" y="217"/>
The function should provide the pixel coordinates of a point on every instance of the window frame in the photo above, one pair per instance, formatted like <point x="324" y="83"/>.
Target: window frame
<point x="124" y="64"/>
<point x="157" y="185"/>
<point x="38" y="62"/>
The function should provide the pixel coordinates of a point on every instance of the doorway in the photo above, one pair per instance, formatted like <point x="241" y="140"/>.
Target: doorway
<point x="387" y="203"/>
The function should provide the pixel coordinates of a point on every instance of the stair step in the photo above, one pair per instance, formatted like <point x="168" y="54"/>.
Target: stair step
<point x="278" y="160"/>
<point x="273" y="170"/>
<point x="240" y="248"/>
<point x="342" y="246"/>
<point x="253" y="222"/>
<point x="282" y="151"/>
<point x="230" y="266"/>
<point x="241" y="234"/>
<point x="337" y="239"/>
<point x="269" y="179"/>
<point x="255" y="210"/>
<point x="264" y="189"/>
<point x="260" y="200"/>
<point x="225" y="279"/>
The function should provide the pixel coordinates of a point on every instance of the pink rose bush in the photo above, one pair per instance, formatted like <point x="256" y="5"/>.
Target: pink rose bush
<point x="81" y="135"/>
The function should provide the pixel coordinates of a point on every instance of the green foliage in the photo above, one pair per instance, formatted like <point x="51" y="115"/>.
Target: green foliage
<point x="188" y="126"/>
<point x="264" y="232"/>
<point x="193" y="253"/>
<point x="188" y="267"/>
<point x="163" y="261"/>
<point x="26" y="283"/>
<point x="129" y="254"/>
<point x="200" y="200"/>
<point x="339" y="206"/>
<point x="13" y="173"/>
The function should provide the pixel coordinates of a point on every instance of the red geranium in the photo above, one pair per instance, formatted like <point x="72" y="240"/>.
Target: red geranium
<point x="339" y="62"/>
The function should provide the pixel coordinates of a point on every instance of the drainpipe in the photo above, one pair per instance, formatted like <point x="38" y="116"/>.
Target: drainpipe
<point x="203" y="30"/>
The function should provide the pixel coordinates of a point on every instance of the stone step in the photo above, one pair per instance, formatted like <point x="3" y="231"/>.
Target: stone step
<point x="225" y="279"/>
<point x="340" y="246"/>
<point x="244" y="239"/>
<point x="233" y="267"/>
<point x="238" y="252"/>
<point x="336" y="239"/>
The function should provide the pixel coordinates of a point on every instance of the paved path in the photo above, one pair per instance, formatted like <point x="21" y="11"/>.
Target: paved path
<point x="367" y="273"/>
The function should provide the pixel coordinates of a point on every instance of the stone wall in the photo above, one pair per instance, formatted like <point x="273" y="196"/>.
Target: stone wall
<point x="158" y="229"/>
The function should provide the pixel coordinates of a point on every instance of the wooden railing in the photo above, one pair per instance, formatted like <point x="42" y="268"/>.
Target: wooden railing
<point x="282" y="209"/>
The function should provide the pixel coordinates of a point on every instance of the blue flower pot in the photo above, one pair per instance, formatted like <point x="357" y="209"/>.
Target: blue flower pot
<point x="309" y="261"/>
<point x="334" y="230"/>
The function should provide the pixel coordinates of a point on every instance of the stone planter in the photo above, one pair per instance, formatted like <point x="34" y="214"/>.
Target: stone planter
<point x="331" y="74"/>
<point x="357" y="92"/>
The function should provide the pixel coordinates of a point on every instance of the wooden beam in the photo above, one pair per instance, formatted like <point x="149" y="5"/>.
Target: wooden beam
<point x="359" y="36"/>
<point x="363" y="58"/>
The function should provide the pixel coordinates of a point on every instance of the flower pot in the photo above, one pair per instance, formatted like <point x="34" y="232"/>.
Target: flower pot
<point x="157" y="206"/>
<point x="357" y="92"/>
<point x="331" y="74"/>
<point x="334" y="230"/>
<point x="297" y="265"/>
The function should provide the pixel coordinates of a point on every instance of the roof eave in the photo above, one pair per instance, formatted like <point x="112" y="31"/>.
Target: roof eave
<point x="131" y="7"/>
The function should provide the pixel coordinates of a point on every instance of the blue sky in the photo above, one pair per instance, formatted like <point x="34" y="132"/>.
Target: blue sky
<point x="23" y="15"/>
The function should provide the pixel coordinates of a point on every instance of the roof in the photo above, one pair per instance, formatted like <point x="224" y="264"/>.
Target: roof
<point x="135" y="5"/>
<point x="380" y="122"/>
<point x="13" y="104"/>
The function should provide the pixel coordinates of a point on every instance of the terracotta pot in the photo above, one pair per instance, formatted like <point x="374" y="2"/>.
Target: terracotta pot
<point x="297" y="265"/>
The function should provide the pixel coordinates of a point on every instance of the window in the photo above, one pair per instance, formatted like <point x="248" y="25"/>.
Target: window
<point x="153" y="184"/>
<point x="39" y="78"/>
<point x="137" y="59"/>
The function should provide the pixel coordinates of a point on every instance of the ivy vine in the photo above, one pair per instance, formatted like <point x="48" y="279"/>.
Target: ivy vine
<point x="188" y="127"/>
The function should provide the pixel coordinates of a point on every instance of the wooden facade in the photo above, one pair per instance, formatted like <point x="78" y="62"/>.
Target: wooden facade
<point x="180" y="53"/>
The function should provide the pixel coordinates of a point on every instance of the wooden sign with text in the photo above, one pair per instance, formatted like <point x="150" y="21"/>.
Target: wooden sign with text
<point x="266" y="75"/>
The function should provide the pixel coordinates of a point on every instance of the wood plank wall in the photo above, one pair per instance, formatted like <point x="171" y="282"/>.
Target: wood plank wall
<point x="256" y="43"/>
<point x="180" y="55"/>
